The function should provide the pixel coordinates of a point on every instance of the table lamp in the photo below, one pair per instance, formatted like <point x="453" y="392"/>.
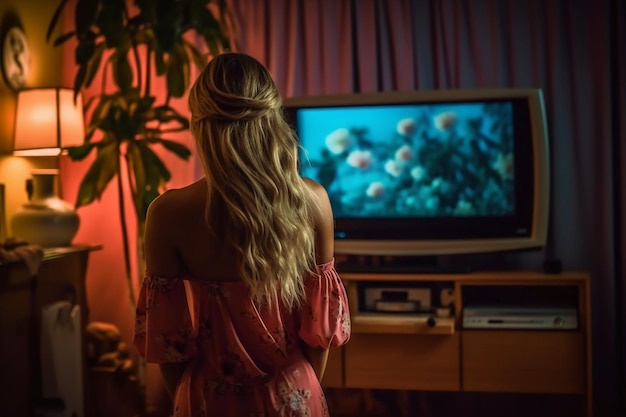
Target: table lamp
<point x="48" y="120"/>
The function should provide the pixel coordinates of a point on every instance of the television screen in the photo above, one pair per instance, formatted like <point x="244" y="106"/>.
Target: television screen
<point x="412" y="160"/>
<point x="428" y="172"/>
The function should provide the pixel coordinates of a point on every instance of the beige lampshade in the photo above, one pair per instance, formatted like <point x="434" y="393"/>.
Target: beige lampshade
<point x="47" y="120"/>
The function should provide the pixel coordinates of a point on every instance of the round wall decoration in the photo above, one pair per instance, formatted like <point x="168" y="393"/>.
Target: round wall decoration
<point x="15" y="57"/>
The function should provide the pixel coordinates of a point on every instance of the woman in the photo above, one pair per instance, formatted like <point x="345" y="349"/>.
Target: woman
<point x="241" y="301"/>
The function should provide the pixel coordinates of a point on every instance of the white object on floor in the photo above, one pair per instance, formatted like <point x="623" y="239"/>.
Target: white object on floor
<point x="61" y="356"/>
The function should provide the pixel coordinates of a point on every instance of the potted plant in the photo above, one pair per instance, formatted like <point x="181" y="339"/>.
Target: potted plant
<point x="127" y="44"/>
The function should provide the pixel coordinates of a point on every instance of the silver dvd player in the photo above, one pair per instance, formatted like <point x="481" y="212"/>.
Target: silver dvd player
<point x="480" y="317"/>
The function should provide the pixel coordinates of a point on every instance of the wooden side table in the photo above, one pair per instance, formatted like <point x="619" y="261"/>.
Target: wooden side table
<point x="60" y="277"/>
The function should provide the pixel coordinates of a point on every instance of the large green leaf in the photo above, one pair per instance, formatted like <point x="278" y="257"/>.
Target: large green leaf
<point x="111" y="23"/>
<point x="156" y="175"/>
<point x="78" y="153"/>
<point x="79" y="80"/>
<point x="104" y="116"/>
<point x="214" y="48"/>
<point x="84" y="16"/>
<point x="225" y="20"/>
<point x="199" y="60"/>
<point x="85" y="50"/>
<point x="148" y="198"/>
<point x="166" y="114"/>
<point x="159" y="60"/>
<point x="63" y="38"/>
<point x="102" y="109"/>
<point x="135" y="162"/>
<point x="210" y="28"/>
<point x="90" y="131"/>
<point x="55" y="19"/>
<point x="177" y="73"/>
<point x="122" y="72"/>
<point x="156" y="171"/>
<point x="175" y="147"/>
<point x="144" y="104"/>
<point x="94" y="64"/>
<point x="168" y="24"/>
<point x="125" y="126"/>
<point x="137" y="22"/>
<point x="88" y="102"/>
<point x="99" y="174"/>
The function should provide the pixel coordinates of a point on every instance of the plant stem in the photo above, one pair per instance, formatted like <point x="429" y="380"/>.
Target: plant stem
<point x="129" y="276"/>
<point x="148" y="71"/>
<point x="134" y="48"/>
<point x="140" y="217"/>
<point x="141" y="257"/>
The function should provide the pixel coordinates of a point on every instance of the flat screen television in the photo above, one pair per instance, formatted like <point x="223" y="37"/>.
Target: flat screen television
<point x="424" y="173"/>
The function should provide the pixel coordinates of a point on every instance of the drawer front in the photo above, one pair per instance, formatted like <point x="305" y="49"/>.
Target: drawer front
<point x="405" y="362"/>
<point x="523" y="361"/>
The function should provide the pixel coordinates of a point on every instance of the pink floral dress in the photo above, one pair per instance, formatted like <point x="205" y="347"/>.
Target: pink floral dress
<point x="242" y="360"/>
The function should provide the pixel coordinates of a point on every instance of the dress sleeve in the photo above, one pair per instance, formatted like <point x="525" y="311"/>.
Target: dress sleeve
<point x="325" y="316"/>
<point x="163" y="326"/>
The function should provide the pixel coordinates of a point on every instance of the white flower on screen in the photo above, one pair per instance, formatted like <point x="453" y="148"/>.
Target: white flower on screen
<point x="338" y="141"/>
<point x="360" y="159"/>
<point x="393" y="168"/>
<point x="418" y="173"/>
<point x="444" y="121"/>
<point x="404" y="153"/>
<point x="504" y="166"/>
<point x="432" y="204"/>
<point x="375" y="189"/>
<point x="463" y="207"/>
<point x="406" y="126"/>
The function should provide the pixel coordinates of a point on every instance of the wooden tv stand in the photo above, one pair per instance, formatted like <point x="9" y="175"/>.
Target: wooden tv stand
<point x="404" y="352"/>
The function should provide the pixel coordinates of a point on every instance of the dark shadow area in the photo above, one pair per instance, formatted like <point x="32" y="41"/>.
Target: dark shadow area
<point x="389" y="403"/>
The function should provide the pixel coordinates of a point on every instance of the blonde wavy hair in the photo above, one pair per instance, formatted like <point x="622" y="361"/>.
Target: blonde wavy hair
<point x="249" y="154"/>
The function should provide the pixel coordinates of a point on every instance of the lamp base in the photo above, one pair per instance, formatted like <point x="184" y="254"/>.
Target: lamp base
<point x="46" y="220"/>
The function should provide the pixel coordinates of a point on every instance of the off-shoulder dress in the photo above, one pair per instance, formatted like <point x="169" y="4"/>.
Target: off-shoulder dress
<point x="242" y="360"/>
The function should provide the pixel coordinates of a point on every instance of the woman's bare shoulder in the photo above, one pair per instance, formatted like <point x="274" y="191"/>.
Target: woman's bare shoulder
<point x="177" y="201"/>
<point x="324" y="222"/>
<point x="322" y="200"/>
<point x="315" y="187"/>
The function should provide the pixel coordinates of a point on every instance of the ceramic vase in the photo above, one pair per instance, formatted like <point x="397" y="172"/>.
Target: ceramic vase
<point x="45" y="220"/>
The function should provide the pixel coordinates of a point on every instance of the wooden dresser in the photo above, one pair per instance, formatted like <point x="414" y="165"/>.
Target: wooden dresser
<point x="60" y="277"/>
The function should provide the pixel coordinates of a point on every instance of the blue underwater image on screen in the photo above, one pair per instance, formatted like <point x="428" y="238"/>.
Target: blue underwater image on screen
<point x="426" y="160"/>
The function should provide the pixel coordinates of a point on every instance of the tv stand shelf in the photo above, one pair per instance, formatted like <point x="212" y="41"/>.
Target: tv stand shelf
<point x="408" y="268"/>
<point x="396" y="324"/>
<point x="406" y="352"/>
